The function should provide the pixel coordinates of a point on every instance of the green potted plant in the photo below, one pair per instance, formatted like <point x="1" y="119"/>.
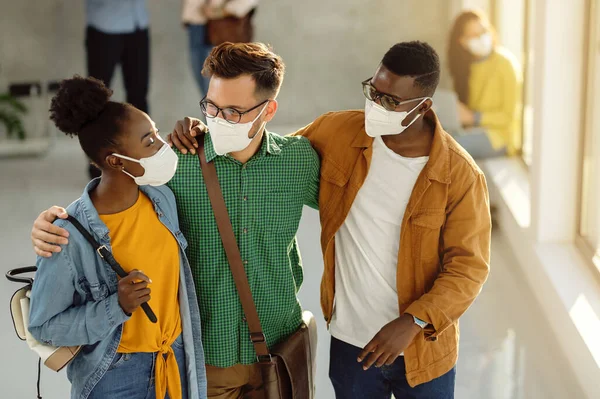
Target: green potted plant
<point x="11" y="116"/>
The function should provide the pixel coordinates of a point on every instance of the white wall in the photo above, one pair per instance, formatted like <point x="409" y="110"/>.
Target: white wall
<point x="456" y="6"/>
<point x="329" y="47"/>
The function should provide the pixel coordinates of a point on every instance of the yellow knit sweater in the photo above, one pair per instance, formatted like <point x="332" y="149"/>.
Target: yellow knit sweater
<point x="495" y="90"/>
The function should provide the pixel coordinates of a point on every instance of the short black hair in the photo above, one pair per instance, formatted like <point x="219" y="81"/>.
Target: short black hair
<point x="415" y="59"/>
<point x="82" y="107"/>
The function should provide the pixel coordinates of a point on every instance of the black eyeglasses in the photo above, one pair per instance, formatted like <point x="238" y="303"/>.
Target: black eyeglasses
<point x="388" y="102"/>
<point x="231" y="115"/>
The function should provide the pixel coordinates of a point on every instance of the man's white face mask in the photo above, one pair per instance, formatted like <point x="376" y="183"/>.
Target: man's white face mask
<point x="230" y="137"/>
<point x="381" y="122"/>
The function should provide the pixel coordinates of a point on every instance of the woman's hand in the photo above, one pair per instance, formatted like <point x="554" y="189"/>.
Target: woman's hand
<point x="133" y="291"/>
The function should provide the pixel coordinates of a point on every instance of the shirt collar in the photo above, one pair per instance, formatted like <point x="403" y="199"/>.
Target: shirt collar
<point x="90" y="212"/>
<point x="268" y="146"/>
<point x="438" y="167"/>
<point x="209" y="149"/>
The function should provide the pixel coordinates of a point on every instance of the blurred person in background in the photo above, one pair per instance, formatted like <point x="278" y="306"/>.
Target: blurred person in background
<point x="487" y="81"/>
<point x="117" y="33"/>
<point x="195" y="16"/>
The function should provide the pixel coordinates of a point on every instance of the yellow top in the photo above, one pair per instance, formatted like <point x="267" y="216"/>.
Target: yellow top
<point x="140" y="241"/>
<point x="495" y="90"/>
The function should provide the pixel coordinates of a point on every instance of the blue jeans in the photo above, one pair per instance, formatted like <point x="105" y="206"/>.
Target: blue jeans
<point x="477" y="143"/>
<point x="131" y="375"/>
<point x="199" y="51"/>
<point x="350" y="381"/>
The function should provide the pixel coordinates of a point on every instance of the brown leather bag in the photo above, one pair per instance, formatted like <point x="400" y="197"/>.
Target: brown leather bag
<point x="230" y="29"/>
<point x="288" y="370"/>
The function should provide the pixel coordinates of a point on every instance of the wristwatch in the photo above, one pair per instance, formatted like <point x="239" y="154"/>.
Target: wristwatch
<point x="420" y="322"/>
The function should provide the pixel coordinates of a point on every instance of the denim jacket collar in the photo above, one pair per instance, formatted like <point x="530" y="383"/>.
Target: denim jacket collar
<point x="98" y="228"/>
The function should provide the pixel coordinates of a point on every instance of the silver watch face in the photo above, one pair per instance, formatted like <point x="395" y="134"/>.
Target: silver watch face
<point x="420" y="323"/>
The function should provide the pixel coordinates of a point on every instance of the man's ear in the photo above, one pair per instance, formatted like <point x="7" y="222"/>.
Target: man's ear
<point x="271" y="110"/>
<point x="422" y="109"/>
<point x="426" y="106"/>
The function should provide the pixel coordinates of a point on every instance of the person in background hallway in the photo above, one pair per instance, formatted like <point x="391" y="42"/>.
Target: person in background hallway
<point x="117" y="33"/>
<point x="195" y="15"/>
<point x="488" y="83"/>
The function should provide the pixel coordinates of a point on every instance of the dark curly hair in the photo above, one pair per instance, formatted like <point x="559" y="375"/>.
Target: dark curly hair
<point x="82" y="107"/>
<point x="415" y="59"/>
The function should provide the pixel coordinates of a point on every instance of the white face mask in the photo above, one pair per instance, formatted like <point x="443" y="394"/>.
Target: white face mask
<point x="159" y="169"/>
<point x="227" y="137"/>
<point x="481" y="46"/>
<point x="381" y="122"/>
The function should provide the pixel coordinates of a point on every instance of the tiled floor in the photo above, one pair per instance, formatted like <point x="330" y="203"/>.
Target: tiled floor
<point x="507" y="350"/>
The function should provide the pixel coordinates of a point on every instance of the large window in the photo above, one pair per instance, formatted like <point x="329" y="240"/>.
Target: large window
<point x="590" y="183"/>
<point x="514" y="21"/>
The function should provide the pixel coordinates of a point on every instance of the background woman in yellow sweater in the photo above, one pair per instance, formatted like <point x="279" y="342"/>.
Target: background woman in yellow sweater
<point x="488" y="83"/>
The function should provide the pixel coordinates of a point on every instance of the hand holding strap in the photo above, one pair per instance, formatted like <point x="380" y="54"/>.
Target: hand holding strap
<point x="109" y="258"/>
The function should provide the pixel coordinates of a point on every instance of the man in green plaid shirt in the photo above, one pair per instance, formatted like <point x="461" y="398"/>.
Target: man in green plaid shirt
<point x="266" y="180"/>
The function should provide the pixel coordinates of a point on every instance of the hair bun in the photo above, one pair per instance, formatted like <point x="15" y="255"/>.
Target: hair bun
<point x="79" y="101"/>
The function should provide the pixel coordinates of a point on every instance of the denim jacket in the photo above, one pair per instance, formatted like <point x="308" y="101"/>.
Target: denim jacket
<point x="74" y="298"/>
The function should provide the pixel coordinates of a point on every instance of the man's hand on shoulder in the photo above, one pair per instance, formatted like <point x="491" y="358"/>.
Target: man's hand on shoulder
<point x="45" y="236"/>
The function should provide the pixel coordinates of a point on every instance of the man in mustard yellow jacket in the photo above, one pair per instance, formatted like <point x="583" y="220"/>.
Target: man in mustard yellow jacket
<point x="405" y="233"/>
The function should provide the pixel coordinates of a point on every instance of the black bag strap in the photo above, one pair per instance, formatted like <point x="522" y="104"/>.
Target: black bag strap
<point x="110" y="259"/>
<point x="39" y="378"/>
<point x="11" y="275"/>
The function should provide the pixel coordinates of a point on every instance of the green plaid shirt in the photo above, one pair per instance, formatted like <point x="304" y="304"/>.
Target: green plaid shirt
<point x="264" y="198"/>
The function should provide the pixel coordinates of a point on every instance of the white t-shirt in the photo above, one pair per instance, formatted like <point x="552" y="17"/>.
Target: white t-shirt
<point x="367" y="245"/>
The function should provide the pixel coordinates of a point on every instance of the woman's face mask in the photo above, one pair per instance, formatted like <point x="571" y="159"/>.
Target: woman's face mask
<point x="159" y="169"/>
<point x="481" y="46"/>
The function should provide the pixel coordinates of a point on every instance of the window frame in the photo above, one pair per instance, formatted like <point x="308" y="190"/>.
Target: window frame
<point x="588" y="251"/>
<point x="526" y="67"/>
<point x="526" y="75"/>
